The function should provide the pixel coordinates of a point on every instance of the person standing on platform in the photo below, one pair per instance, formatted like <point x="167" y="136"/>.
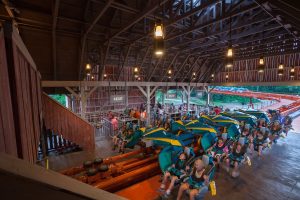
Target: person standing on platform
<point x="143" y="118"/>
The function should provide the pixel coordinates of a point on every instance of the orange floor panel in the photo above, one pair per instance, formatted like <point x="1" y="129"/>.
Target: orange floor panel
<point x="146" y="190"/>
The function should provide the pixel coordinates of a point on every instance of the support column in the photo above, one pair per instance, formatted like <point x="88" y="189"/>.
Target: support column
<point x="208" y="98"/>
<point x="126" y="96"/>
<point x="82" y="102"/>
<point x="188" y="95"/>
<point x="148" y="104"/>
<point x="187" y="92"/>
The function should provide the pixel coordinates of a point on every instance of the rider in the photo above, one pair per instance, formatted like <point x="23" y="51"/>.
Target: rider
<point x="260" y="140"/>
<point x="235" y="158"/>
<point x="219" y="151"/>
<point x="116" y="138"/>
<point x="197" y="182"/>
<point x="287" y="123"/>
<point x="276" y="130"/>
<point x="176" y="171"/>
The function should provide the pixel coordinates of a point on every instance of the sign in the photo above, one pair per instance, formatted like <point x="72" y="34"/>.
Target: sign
<point x="120" y="99"/>
<point x="171" y="96"/>
<point x="199" y="93"/>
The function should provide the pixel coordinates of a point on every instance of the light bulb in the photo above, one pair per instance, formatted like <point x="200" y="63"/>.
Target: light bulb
<point x="88" y="66"/>
<point x="229" y="52"/>
<point x="261" y="61"/>
<point x="158" y="31"/>
<point x="159" y="52"/>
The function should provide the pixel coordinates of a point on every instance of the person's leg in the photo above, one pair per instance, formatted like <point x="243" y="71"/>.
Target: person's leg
<point x="164" y="181"/>
<point x="182" y="188"/>
<point x="260" y="150"/>
<point x="173" y="180"/>
<point x="227" y="164"/>
<point x="202" y="192"/>
<point x="193" y="194"/>
<point x="251" y="148"/>
<point x="218" y="163"/>
<point x="235" y="171"/>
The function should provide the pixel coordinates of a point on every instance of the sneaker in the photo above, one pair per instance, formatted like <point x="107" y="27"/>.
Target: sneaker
<point x="167" y="194"/>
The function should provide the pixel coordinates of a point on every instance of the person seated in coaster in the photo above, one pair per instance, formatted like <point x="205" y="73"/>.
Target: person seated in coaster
<point x="235" y="158"/>
<point x="276" y="130"/>
<point x="176" y="171"/>
<point x="167" y="125"/>
<point x="261" y="123"/>
<point x="197" y="182"/>
<point x="219" y="151"/>
<point x="287" y="124"/>
<point x="116" y="138"/>
<point x="189" y="152"/>
<point x="260" y="141"/>
<point x="126" y="136"/>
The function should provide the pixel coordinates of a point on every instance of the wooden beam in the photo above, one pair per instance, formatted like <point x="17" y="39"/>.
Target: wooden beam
<point x="55" y="15"/>
<point x="58" y="84"/>
<point x="124" y="62"/>
<point x="149" y="9"/>
<point x="83" y="39"/>
<point x="103" y="63"/>
<point x="145" y="56"/>
<point x="158" y="62"/>
<point x="184" y="62"/>
<point x="193" y="65"/>
<point x="169" y="66"/>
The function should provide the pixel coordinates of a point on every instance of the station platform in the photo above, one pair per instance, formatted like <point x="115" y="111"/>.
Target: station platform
<point x="275" y="176"/>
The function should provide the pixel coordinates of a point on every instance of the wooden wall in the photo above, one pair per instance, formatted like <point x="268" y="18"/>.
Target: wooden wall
<point x="7" y="129"/>
<point x="64" y="122"/>
<point x="21" y="105"/>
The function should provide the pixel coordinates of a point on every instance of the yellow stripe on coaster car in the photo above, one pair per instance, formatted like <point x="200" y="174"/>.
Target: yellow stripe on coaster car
<point x="192" y="122"/>
<point x="171" y="141"/>
<point x="179" y="122"/>
<point x="203" y="129"/>
<point x="230" y="121"/>
<point x="155" y="130"/>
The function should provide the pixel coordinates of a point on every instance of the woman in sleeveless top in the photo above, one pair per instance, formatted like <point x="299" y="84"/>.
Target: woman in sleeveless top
<point x="195" y="182"/>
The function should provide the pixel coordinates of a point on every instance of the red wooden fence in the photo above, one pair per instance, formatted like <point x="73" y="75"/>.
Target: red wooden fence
<point x="65" y="122"/>
<point x="20" y="102"/>
<point x="7" y="129"/>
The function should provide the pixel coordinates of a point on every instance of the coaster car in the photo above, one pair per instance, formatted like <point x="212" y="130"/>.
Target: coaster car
<point x="171" y="152"/>
<point x="240" y="116"/>
<point x="162" y="137"/>
<point x="232" y="125"/>
<point x="257" y="113"/>
<point x="199" y="128"/>
<point x="135" y="138"/>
